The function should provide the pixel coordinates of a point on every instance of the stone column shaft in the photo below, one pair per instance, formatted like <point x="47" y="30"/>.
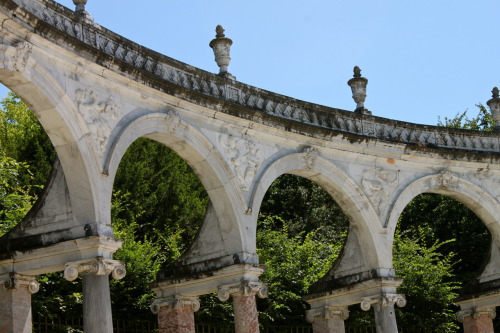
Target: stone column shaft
<point x="176" y="314"/>
<point x="246" y="319"/>
<point x="95" y="272"/>
<point x="97" y="316"/>
<point x="15" y="303"/>
<point x="383" y="306"/>
<point x="329" y="319"/>
<point x="477" y="320"/>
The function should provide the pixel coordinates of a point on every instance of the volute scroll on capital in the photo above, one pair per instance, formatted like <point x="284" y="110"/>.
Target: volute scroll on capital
<point x="327" y="313"/>
<point x="17" y="281"/>
<point x="243" y="289"/>
<point x="477" y="313"/>
<point x="385" y="300"/>
<point x="176" y="303"/>
<point x="97" y="266"/>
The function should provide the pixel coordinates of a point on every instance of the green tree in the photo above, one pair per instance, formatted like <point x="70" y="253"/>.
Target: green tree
<point x="483" y="121"/>
<point x="428" y="283"/>
<point x="293" y="262"/>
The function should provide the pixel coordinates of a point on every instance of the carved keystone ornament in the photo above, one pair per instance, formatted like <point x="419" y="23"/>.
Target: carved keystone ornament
<point x="244" y="288"/>
<point x="97" y="266"/>
<point x="176" y="302"/>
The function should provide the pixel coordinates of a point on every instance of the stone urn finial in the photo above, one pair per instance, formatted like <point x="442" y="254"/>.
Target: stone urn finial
<point x="494" y="104"/>
<point x="80" y="10"/>
<point x="222" y="48"/>
<point x="80" y="6"/>
<point x="358" y="87"/>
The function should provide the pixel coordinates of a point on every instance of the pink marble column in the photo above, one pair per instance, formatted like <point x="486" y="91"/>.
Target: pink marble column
<point x="246" y="319"/>
<point x="477" y="320"/>
<point x="15" y="303"/>
<point x="328" y="319"/>
<point x="176" y="314"/>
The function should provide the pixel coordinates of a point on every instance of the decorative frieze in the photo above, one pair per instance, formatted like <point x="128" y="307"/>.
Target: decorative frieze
<point x="176" y="302"/>
<point x="385" y="300"/>
<point x="276" y="105"/>
<point x="97" y="266"/>
<point x="17" y="281"/>
<point x="327" y="313"/>
<point x="244" y="288"/>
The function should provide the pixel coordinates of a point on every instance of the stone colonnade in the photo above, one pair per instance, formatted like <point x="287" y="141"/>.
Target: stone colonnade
<point x="177" y="299"/>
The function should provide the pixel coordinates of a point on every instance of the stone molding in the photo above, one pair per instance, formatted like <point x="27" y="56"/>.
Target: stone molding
<point x="244" y="288"/>
<point x="276" y="105"/>
<point x="476" y="313"/>
<point x="176" y="303"/>
<point x="327" y="313"/>
<point x="96" y="266"/>
<point x="385" y="300"/>
<point x="17" y="281"/>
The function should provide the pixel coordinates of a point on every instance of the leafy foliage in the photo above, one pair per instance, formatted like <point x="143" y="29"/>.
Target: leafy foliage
<point x="15" y="198"/>
<point x="294" y="261"/>
<point x="305" y="207"/>
<point x="427" y="283"/>
<point x="482" y="122"/>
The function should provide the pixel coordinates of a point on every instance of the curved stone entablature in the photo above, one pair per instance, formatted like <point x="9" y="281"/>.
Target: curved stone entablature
<point x="166" y="74"/>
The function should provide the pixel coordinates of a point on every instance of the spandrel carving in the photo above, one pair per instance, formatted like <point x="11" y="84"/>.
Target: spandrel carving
<point x="378" y="184"/>
<point x="100" y="115"/>
<point x="244" y="157"/>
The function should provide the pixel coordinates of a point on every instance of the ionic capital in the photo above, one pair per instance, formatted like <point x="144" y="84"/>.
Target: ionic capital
<point x="176" y="303"/>
<point x="385" y="300"/>
<point x="476" y="313"/>
<point x="18" y="281"/>
<point x="244" y="288"/>
<point x="97" y="266"/>
<point x="327" y="313"/>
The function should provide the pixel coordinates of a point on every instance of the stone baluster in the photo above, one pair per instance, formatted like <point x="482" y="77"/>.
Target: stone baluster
<point x="176" y="313"/>
<point x="383" y="306"/>
<point x="96" y="297"/>
<point x="15" y="303"/>
<point x="244" y="305"/>
<point x="328" y="319"/>
<point x="478" y="320"/>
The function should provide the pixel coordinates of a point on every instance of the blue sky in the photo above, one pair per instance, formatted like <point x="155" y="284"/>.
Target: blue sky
<point x="423" y="59"/>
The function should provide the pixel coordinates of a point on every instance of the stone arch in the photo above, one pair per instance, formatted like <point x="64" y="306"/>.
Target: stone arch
<point x="168" y="128"/>
<point x="481" y="203"/>
<point x="343" y="190"/>
<point x="40" y="90"/>
<point x="477" y="200"/>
